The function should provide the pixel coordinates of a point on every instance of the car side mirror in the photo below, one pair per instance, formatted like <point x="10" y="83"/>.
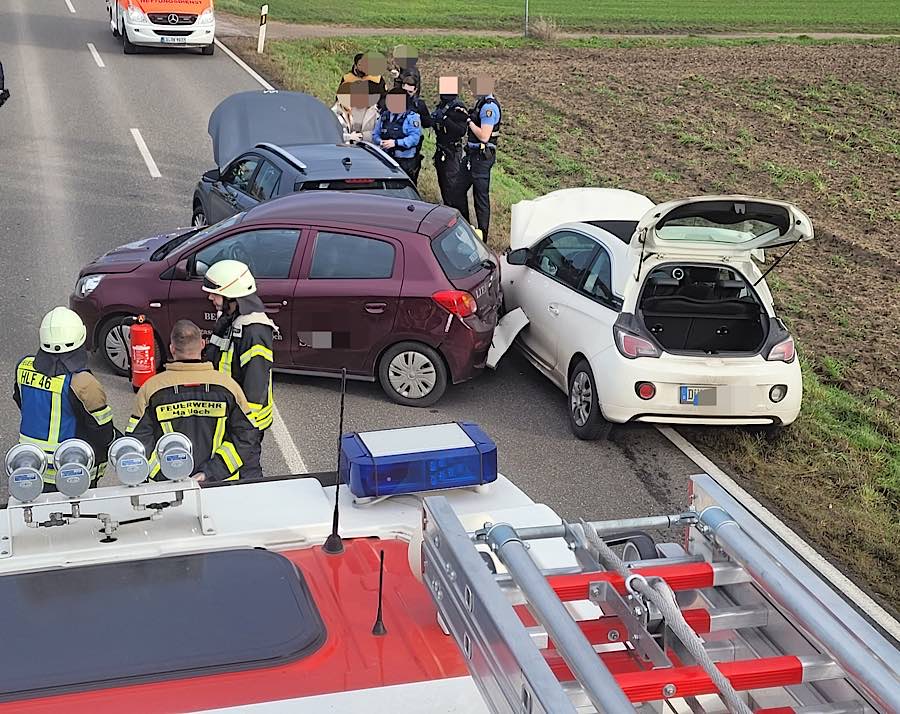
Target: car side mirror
<point x="212" y="175"/>
<point x="181" y="270"/>
<point x="518" y="256"/>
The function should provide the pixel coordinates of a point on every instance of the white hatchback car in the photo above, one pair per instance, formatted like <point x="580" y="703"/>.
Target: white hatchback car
<point x="650" y="313"/>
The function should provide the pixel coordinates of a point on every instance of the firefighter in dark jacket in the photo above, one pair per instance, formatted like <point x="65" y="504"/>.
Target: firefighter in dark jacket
<point x="208" y="407"/>
<point x="450" y="119"/>
<point x="59" y="398"/>
<point x="242" y="338"/>
<point x="409" y="83"/>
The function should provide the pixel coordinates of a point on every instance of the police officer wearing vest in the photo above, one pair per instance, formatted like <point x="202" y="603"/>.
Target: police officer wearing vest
<point x="58" y="396"/>
<point x="481" y="149"/>
<point x="398" y="131"/>
<point x="243" y="336"/>
<point x="450" y="120"/>
<point x="208" y="407"/>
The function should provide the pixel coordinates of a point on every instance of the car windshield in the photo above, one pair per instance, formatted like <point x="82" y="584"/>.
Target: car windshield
<point x="191" y="239"/>
<point x="459" y="251"/>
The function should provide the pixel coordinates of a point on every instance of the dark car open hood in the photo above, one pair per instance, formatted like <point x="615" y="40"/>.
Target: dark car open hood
<point x="285" y="118"/>
<point x="128" y="257"/>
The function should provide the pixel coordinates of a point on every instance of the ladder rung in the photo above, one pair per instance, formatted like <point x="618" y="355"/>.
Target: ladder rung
<point x="681" y="576"/>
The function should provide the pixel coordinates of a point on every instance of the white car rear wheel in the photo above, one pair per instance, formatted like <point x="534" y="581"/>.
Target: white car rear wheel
<point x="585" y="416"/>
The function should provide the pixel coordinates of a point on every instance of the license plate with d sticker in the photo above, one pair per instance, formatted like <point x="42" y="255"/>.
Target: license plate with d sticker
<point x="697" y="396"/>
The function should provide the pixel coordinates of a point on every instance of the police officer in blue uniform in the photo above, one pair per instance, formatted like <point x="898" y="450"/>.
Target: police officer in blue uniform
<point x="58" y="396"/>
<point x="450" y="119"/>
<point x="481" y="149"/>
<point x="398" y="130"/>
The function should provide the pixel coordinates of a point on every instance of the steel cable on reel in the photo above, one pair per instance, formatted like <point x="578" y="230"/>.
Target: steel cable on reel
<point x="663" y="598"/>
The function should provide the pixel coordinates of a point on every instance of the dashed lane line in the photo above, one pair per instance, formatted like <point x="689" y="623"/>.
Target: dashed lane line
<point x="145" y="153"/>
<point x="96" y="55"/>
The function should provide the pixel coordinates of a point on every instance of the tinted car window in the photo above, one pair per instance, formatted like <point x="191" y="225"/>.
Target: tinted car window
<point x="240" y="174"/>
<point x="268" y="252"/>
<point x="339" y="255"/>
<point x="265" y="182"/>
<point x="563" y="256"/>
<point x="598" y="281"/>
<point x="459" y="251"/>
<point x="383" y="187"/>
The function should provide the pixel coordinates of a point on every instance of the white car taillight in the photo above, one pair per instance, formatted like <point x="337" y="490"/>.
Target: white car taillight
<point x="783" y="352"/>
<point x="632" y="346"/>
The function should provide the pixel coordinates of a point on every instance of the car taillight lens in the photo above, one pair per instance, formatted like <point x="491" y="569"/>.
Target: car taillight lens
<point x="632" y="346"/>
<point x="783" y="352"/>
<point x="457" y="302"/>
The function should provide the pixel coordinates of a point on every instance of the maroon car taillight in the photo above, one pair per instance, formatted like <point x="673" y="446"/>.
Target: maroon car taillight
<point x="645" y="390"/>
<point x="456" y="302"/>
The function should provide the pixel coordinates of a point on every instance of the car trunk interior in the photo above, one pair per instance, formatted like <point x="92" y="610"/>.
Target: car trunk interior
<point x="703" y="309"/>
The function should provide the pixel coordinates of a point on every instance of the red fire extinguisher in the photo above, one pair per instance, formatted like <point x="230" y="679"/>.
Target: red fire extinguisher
<point x="143" y="359"/>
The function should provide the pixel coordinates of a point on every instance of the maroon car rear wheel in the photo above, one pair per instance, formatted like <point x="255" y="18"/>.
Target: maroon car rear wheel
<point x="412" y="374"/>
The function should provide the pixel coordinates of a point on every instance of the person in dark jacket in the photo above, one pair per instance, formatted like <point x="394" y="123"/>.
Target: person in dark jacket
<point x="409" y="83"/>
<point x="59" y="398"/>
<point x="242" y="340"/>
<point x="450" y="121"/>
<point x="208" y="407"/>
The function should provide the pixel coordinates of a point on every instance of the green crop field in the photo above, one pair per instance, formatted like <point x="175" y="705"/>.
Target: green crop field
<point x="610" y="15"/>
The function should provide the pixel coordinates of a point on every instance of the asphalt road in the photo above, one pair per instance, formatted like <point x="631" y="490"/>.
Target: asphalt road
<point x="73" y="184"/>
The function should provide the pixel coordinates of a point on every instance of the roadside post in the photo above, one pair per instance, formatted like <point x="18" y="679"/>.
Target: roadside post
<point x="526" y="18"/>
<point x="263" y="16"/>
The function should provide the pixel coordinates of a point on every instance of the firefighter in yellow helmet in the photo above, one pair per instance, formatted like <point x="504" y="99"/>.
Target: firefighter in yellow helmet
<point x="242" y="338"/>
<point x="59" y="398"/>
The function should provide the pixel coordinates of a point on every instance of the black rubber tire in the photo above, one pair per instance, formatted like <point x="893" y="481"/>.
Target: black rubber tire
<point x="209" y="49"/>
<point x="198" y="211"/>
<point x="440" y="374"/>
<point x="127" y="47"/>
<point x="105" y="329"/>
<point x="595" y="426"/>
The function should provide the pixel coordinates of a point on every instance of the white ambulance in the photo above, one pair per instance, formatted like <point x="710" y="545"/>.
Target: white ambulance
<point x="163" y="23"/>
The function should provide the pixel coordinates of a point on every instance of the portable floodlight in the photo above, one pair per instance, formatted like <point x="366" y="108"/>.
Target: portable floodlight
<point x="175" y="453"/>
<point x="129" y="461"/>
<point x="25" y="467"/>
<point x="74" y="460"/>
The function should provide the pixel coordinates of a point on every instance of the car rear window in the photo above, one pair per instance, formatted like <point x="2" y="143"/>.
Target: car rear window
<point x="395" y="188"/>
<point x="101" y="626"/>
<point x="459" y="251"/>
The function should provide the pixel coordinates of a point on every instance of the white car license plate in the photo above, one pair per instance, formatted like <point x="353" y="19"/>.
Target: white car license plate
<point x="697" y="396"/>
<point x="173" y="40"/>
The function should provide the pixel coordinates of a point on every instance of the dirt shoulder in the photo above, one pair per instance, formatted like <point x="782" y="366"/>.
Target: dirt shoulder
<point x="228" y="25"/>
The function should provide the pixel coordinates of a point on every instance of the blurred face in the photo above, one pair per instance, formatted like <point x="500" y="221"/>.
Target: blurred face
<point x="374" y="63"/>
<point x="410" y="89"/>
<point x="482" y="85"/>
<point x="359" y="96"/>
<point x="448" y="85"/>
<point x="396" y="103"/>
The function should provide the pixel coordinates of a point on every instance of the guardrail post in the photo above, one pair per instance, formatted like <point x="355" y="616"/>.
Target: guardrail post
<point x="263" y="16"/>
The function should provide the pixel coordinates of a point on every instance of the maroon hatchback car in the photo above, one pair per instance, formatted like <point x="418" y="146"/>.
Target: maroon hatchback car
<point x="392" y="289"/>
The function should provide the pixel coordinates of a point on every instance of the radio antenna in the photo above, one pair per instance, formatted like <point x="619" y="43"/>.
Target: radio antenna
<point x="379" y="629"/>
<point x="333" y="544"/>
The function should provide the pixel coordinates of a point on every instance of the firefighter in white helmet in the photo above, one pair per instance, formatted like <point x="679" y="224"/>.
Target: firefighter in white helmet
<point x="242" y="339"/>
<point x="59" y="398"/>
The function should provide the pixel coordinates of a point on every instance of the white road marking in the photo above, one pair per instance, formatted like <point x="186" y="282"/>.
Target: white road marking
<point x="292" y="457"/>
<point x="800" y="546"/>
<point x="145" y="152"/>
<point x="69" y="5"/>
<point x="243" y="65"/>
<point x="96" y="55"/>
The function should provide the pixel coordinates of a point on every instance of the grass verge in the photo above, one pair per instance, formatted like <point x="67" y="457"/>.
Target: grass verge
<point x="835" y="474"/>
<point x="610" y="15"/>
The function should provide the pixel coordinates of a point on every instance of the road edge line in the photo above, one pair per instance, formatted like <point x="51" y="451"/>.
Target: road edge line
<point x="96" y="55"/>
<point x="819" y="563"/>
<point x="69" y="5"/>
<point x="292" y="456"/>
<point x="243" y="65"/>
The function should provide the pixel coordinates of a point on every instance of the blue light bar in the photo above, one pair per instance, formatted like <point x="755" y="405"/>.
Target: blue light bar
<point x="421" y="458"/>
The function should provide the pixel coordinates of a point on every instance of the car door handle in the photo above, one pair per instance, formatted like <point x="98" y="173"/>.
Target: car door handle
<point x="553" y="309"/>
<point x="375" y="308"/>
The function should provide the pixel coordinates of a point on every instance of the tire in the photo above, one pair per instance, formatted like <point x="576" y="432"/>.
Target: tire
<point x="127" y="46"/>
<point x="585" y="417"/>
<point x="111" y="342"/>
<point x="198" y="215"/>
<point x="209" y="49"/>
<point x="411" y="368"/>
